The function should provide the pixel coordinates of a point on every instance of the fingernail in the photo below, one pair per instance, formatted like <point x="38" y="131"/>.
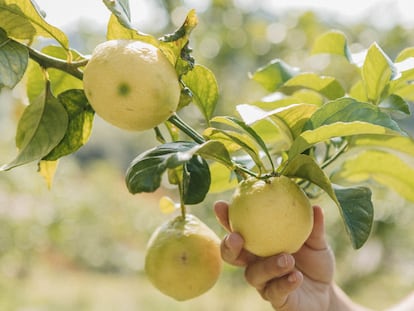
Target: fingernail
<point x="282" y="261"/>
<point x="292" y="278"/>
<point x="233" y="241"/>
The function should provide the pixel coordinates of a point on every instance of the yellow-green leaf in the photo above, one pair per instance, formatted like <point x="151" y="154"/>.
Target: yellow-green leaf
<point x="222" y="178"/>
<point x="41" y="127"/>
<point x="47" y="170"/>
<point x="383" y="167"/>
<point x="204" y="89"/>
<point x="79" y="126"/>
<point x="339" y="129"/>
<point x="167" y="205"/>
<point x="17" y="16"/>
<point x="327" y="86"/>
<point x="332" y="42"/>
<point x="377" y="71"/>
<point x="274" y="74"/>
<point x="402" y="144"/>
<point x="115" y="30"/>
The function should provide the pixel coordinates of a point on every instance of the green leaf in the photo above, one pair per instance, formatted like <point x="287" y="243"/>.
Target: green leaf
<point x="354" y="203"/>
<point x="222" y="178"/>
<point x="296" y="116"/>
<point x="358" y="92"/>
<point x="116" y="30"/>
<point x="357" y="212"/>
<point x="340" y="129"/>
<point x="332" y="42"/>
<point x="234" y="140"/>
<point x="60" y="81"/>
<point x="327" y="86"/>
<point x="405" y="54"/>
<point x="41" y="127"/>
<point x="403" y="86"/>
<point x="79" y="126"/>
<point x="271" y="129"/>
<point x="349" y="110"/>
<point x="196" y="180"/>
<point x="204" y="89"/>
<point x="341" y="118"/>
<point x="36" y="81"/>
<point x="274" y="74"/>
<point x="145" y="171"/>
<point x="377" y="72"/>
<point x="395" y="104"/>
<point x="16" y="17"/>
<point x="245" y="127"/>
<point x="216" y="151"/>
<point x="120" y="8"/>
<point x="283" y="125"/>
<point x="15" y="23"/>
<point x="305" y="167"/>
<point x="244" y="142"/>
<point x="13" y="61"/>
<point x="383" y="167"/>
<point x="402" y="144"/>
<point x="175" y="45"/>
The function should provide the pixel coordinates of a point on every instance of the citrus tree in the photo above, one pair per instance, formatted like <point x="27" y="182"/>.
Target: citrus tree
<point x="309" y="128"/>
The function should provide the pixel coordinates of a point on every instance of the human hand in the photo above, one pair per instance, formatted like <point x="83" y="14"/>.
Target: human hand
<point x="302" y="281"/>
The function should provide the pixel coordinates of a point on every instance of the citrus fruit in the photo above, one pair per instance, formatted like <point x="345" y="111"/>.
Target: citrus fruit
<point x="273" y="216"/>
<point x="183" y="258"/>
<point x="131" y="84"/>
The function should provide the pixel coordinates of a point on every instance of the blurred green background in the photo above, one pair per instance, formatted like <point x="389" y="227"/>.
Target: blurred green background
<point x="81" y="245"/>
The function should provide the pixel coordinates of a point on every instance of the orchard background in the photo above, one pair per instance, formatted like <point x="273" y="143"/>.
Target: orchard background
<point x="80" y="246"/>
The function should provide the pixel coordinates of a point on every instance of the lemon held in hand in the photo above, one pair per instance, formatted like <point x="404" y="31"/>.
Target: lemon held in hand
<point x="131" y="84"/>
<point x="272" y="216"/>
<point x="183" y="258"/>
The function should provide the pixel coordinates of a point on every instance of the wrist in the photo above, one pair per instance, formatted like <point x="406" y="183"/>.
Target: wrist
<point x="339" y="301"/>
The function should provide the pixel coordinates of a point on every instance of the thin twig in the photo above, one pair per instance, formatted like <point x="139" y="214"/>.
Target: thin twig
<point x="47" y="61"/>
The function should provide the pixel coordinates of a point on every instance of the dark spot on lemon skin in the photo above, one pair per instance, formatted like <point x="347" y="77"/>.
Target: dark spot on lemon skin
<point x="184" y="258"/>
<point x="124" y="89"/>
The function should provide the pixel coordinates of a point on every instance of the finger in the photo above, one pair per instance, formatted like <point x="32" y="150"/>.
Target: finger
<point x="316" y="239"/>
<point x="260" y="272"/>
<point x="279" y="291"/>
<point x="221" y="210"/>
<point x="232" y="251"/>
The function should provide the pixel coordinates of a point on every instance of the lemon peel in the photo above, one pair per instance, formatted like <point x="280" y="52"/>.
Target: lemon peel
<point x="131" y="84"/>
<point x="273" y="216"/>
<point x="183" y="258"/>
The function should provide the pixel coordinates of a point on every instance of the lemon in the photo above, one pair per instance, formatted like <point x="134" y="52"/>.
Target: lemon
<point x="183" y="258"/>
<point x="131" y="84"/>
<point x="272" y="216"/>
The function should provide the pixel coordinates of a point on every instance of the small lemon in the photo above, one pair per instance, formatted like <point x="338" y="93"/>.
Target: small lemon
<point x="131" y="84"/>
<point x="183" y="258"/>
<point x="273" y="216"/>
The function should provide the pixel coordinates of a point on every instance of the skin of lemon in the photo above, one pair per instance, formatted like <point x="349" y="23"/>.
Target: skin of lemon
<point x="273" y="217"/>
<point x="131" y="84"/>
<point x="183" y="258"/>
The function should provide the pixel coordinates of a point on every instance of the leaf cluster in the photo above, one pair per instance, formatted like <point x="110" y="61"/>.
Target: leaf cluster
<point x="306" y="123"/>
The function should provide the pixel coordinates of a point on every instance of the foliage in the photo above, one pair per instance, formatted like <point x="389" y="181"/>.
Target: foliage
<point x="91" y="206"/>
<point x="312" y="122"/>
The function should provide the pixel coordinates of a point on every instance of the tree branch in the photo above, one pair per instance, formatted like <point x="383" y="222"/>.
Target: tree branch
<point x="47" y="61"/>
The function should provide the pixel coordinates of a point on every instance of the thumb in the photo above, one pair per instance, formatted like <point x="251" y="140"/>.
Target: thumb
<point x="316" y="239"/>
